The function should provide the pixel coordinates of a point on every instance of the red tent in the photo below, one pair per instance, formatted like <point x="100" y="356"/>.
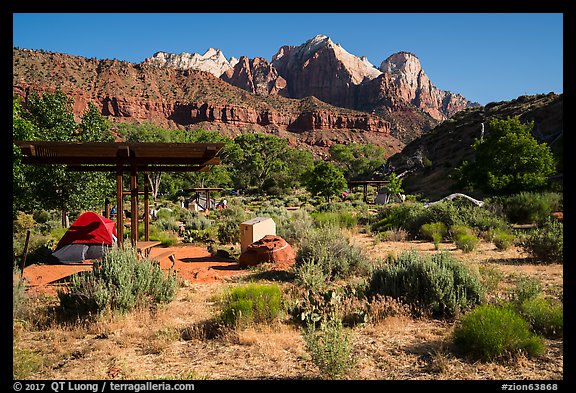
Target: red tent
<point x="87" y="238"/>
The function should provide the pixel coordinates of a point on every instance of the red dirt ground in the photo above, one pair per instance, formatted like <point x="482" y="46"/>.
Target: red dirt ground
<point x="193" y="264"/>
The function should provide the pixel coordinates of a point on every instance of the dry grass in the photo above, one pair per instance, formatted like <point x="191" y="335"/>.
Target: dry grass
<point x="168" y="342"/>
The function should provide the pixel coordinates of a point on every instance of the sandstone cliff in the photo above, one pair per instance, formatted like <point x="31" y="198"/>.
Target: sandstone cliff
<point x="174" y="98"/>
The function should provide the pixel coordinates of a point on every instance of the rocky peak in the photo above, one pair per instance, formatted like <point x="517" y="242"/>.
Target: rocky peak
<point x="256" y="75"/>
<point x="357" y="68"/>
<point x="414" y="86"/>
<point x="213" y="61"/>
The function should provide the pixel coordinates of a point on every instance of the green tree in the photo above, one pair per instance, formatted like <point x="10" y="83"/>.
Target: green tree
<point x="258" y="158"/>
<point x="358" y="162"/>
<point x="508" y="161"/>
<point x="50" y="117"/>
<point x="325" y="179"/>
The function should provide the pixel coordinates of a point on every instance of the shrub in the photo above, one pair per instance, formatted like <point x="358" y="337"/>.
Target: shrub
<point x="466" y="243"/>
<point x="434" y="231"/>
<point x="252" y="303"/>
<point x="118" y="282"/>
<point x="502" y="240"/>
<point x="19" y="296"/>
<point x="310" y="275"/>
<point x="228" y="231"/>
<point x="439" y="283"/>
<point x="341" y="219"/>
<point x="526" y="288"/>
<point x="492" y="331"/>
<point x="296" y="228"/>
<point x="331" y="349"/>
<point x="327" y="247"/>
<point x="546" y="243"/>
<point x="545" y="315"/>
<point x="531" y="207"/>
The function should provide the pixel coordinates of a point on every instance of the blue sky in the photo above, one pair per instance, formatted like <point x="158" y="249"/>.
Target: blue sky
<point x="485" y="57"/>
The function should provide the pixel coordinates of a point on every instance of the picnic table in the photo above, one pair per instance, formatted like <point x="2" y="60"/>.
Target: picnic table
<point x="143" y="248"/>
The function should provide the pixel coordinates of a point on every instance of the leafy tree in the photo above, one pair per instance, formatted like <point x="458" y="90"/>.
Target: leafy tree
<point x="358" y="162"/>
<point x="394" y="186"/>
<point x="325" y="179"/>
<point x="258" y="158"/>
<point x="50" y="117"/>
<point x="508" y="161"/>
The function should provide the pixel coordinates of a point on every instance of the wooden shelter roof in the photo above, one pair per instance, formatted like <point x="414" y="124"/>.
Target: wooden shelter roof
<point x="145" y="155"/>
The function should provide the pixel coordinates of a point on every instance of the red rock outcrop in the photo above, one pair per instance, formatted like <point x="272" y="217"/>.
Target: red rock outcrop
<point x="174" y="98"/>
<point x="270" y="249"/>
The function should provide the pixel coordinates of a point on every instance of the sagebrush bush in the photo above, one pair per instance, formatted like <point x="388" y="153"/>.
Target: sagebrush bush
<point x="119" y="282"/>
<point x="546" y="316"/>
<point x="310" y="275"/>
<point x="249" y="304"/>
<point x="295" y="229"/>
<point x="439" y="284"/>
<point x="331" y="348"/>
<point x="492" y="331"/>
<point x="546" y="243"/>
<point x="330" y="249"/>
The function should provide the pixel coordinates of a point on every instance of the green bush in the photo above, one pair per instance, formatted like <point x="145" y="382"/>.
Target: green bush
<point x="341" y="219"/>
<point x="526" y="288"/>
<point x="413" y="215"/>
<point x="531" y="207"/>
<point x="252" y="303"/>
<point x="546" y="316"/>
<point x="327" y="247"/>
<point x="466" y="243"/>
<point x="295" y="229"/>
<point x="546" y="243"/>
<point x="502" y="240"/>
<point x="310" y="275"/>
<point x="331" y="349"/>
<point x="435" y="231"/>
<point x="119" y="282"/>
<point x="492" y="331"/>
<point x="439" y="284"/>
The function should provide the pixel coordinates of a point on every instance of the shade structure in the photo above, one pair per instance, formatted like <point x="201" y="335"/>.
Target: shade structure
<point x="120" y="158"/>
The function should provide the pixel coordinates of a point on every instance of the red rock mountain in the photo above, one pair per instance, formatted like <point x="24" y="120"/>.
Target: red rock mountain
<point x="190" y="99"/>
<point x="257" y="76"/>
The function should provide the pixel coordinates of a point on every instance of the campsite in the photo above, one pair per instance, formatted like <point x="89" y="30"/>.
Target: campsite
<point x="290" y="266"/>
<point x="182" y="339"/>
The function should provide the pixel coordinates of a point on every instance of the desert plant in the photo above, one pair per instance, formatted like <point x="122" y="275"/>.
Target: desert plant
<point x="466" y="243"/>
<point x="502" y="240"/>
<point x="252" y="303"/>
<point x="531" y="207"/>
<point x="118" y="282"/>
<point x="546" y="243"/>
<point x="310" y="275"/>
<point x="327" y="247"/>
<point x="435" y="231"/>
<point x="439" y="284"/>
<point x="295" y="229"/>
<point x="545" y="315"/>
<point x="331" y="349"/>
<point x="526" y="288"/>
<point x="492" y="331"/>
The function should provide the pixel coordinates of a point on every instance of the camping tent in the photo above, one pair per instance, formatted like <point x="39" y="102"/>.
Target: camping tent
<point x="88" y="238"/>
